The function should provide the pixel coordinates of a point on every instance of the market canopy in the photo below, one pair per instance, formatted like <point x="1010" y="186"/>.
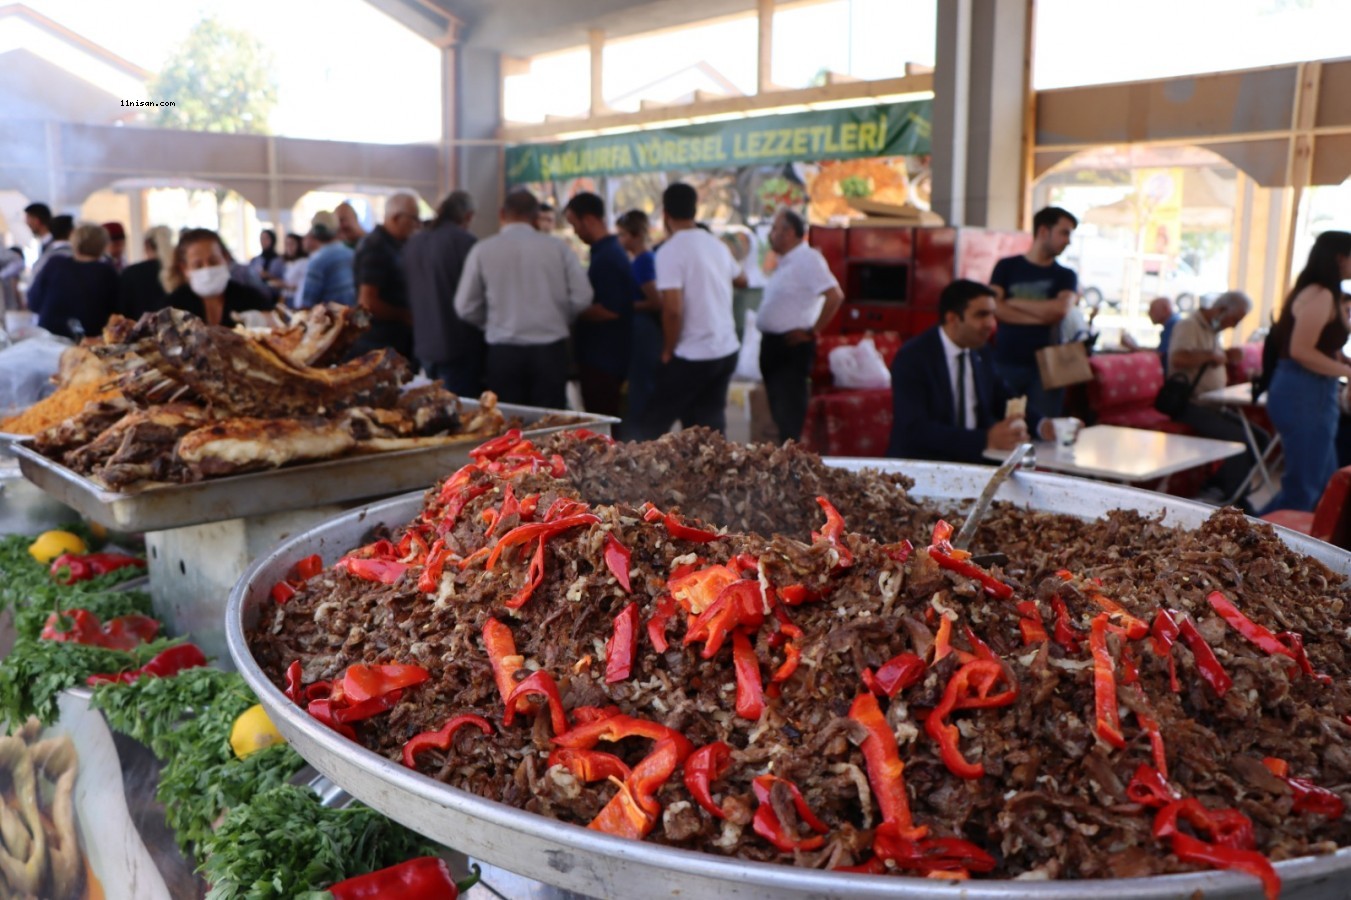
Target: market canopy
<point x="891" y="129"/>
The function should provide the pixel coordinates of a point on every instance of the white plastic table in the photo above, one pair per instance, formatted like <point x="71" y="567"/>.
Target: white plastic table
<point x="1113" y="453"/>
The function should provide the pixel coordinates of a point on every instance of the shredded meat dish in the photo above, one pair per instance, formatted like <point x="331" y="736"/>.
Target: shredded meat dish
<point x="1088" y="710"/>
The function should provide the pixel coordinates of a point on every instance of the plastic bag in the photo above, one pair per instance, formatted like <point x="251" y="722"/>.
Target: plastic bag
<point x="859" y="366"/>
<point x="26" y="371"/>
<point x="748" y="357"/>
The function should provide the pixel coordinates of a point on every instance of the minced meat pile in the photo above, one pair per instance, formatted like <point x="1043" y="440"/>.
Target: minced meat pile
<point x="1022" y="710"/>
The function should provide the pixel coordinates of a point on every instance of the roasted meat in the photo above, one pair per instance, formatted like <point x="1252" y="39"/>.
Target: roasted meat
<point x="243" y="444"/>
<point x="139" y="447"/>
<point x="318" y="336"/>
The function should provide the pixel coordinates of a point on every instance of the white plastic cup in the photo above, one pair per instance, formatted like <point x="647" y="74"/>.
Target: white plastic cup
<point x="1066" y="430"/>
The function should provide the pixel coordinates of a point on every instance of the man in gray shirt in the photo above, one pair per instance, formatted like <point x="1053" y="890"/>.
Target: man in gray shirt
<point x="524" y="288"/>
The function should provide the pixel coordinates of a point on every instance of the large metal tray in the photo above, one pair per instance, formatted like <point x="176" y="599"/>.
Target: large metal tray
<point x="599" y="865"/>
<point x="277" y="490"/>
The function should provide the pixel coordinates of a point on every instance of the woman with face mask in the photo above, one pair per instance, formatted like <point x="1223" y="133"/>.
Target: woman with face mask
<point x="201" y="274"/>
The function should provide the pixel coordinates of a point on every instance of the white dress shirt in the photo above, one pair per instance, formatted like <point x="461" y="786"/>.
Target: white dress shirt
<point x="702" y="268"/>
<point x="522" y="287"/>
<point x="792" y="297"/>
<point x="950" y="353"/>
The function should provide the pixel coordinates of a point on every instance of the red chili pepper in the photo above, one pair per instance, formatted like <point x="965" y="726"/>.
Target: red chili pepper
<point x="345" y="712"/>
<point x="1164" y="632"/>
<point x="792" y="651"/>
<point x="1309" y="797"/>
<point x="942" y="534"/>
<point x="1108" y="725"/>
<point x="163" y="665"/>
<point x="84" y="566"/>
<point x="322" y="711"/>
<point x="899" y="552"/>
<point x="539" y="682"/>
<point x="542" y="530"/>
<point x="696" y="591"/>
<point x="381" y="571"/>
<point x="993" y="586"/>
<point x="1130" y="672"/>
<point x="614" y="728"/>
<point x="429" y="582"/>
<point x="766" y="822"/>
<point x="1134" y="628"/>
<point x="656" y="626"/>
<point x="885" y="769"/>
<point x="506" y="662"/>
<point x="1149" y="787"/>
<point x="1189" y="849"/>
<point x="498" y="446"/>
<point x="750" y="698"/>
<point x="362" y="682"/>
<point x="424" y="878"/>
<point x="281" y="592"/>
<point x="622" y="647"/>
<point x="1151" y="727"/>
<point x="617" y="559"/>
<point x="1226" y="827"/>
<point x="456" y="504"/>
<point x="834" y="533"/>
<point x="586" y="433"/>
<point x="585" y="715"/>
<point x="309" y="567"/>
<point x="944" y="856"/>
<point x="1295" y="642"/>
<point x="121" y="633"/>
<point x="739" y="604"/>
<point x="442" y="737"/>
<point x="984" y="673"/>
<point x="632" y="812"/>
<point x="895" y="675"/>
<point x="590" y="765"/>
<point x="703" y="767"/>
<point x="294" y="690"/>
<point x="529" y="505"/>
<point x="534" y="576"/>
<point x="624" y="816"/>
<point x="1066" y="635"/>
<point x="797" y="594"/>
<point x="1206" y="663"/>
<point x="682" y="532"/>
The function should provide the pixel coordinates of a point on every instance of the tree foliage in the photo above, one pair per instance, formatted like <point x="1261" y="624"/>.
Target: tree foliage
<point x="221" y="79"/>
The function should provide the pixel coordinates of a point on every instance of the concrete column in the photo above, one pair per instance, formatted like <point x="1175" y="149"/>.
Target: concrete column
<point x="980" y="102"/>
<point x="447" y="175"/>
<point x="478" y="85"/>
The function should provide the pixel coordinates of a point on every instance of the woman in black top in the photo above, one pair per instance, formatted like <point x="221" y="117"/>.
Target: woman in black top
<point x="141" y="290"/>
<point x="74" y="295"/>
<point x="1302" y="399"/>
<point x="205" y="288"/>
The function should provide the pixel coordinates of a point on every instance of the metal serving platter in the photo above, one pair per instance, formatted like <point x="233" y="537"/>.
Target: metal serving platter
<point x="598" y="865"/>
<point x="277" y="490"/>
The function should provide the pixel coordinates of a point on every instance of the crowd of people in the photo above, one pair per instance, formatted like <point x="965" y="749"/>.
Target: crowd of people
<point x="648" y="331"/>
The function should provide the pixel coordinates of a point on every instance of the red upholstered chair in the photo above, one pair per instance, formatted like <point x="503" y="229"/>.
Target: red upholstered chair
<point x="1123" y="389"/>
<point x="1328" y="520"/>
<point x="843" y="422"/>
<point x="1248" y="366"/>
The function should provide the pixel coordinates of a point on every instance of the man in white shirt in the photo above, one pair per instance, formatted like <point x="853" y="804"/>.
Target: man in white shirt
<point x="524" y="288"/>
<point x="695" y="276"/>
<point x="791" y="317"/>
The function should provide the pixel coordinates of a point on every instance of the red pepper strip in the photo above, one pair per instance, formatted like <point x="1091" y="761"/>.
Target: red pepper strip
<point x="746" y="562"/>
<point x="294" y="682"/>
<point x="942" y="645"/>
<point x="456" y="505"/>
<point x="540" y="682"/>
<point x="682" y="532"/>
<point x="1164" y="632"/>
<point x="412" y="548"/>
<point x="498" y="446"/>
<point x="1189" y="849"/>
<point x="1261" y="637"/>
<point x="792" y="653"/>
<point x="346" y="713"/>
<point x="1226" y="827"/>
<point x="797" y="594"/>
<point x="1295" y="642"/>
<point x="946" y="734"/>
<point x="1130" y="672"/>
<point x="378" y="570"/>
<point x="506" y="662"/>
<point x="281" y="592"/>
<point x="613" y="728"/>
<point x="309" y="567"/>
<point x="429" y="582"/>
<point x="885" y="769"/>
<point x="655" y="769"/>
<point x="899" y="552"/>
<point x="1066" y="635"/>
<point x="982" y="675"/>
<point x="1108" y="726"/>
<point x="750" y="698"/>
<point x="1135" y="628"/>
<point x="834" y="532"/>
<point x="1309" y="797"/>
<point x="622" y="646"/>
<point x="529" y="505"/>
<point x="617" y="559"/>
<point x="361" y="682"/>
<point x="981" y="649"/>
<point x="656" y="626"/>
<point x="1149" y="787"/>
<point x="1206" y="663"/>
<point x="703" y="767"/>
<point x="165" y="664"/>
<point x="697" y="590"/>
<point x="322" y="711"/>
<point x="478" y="555"/>
<point x="993" y="586"/>
<point x="585" y="715"/>
<point x="509" y="507"/>
<point x="533" y="577"/>
<point x="590" y="765"/>
<point x="543" y="530"/>
<point x="624" y="817"/>
<point x="942" y="856"/>
<point x="585" y="433"/>
<point x="739" y="604"/>
<point x="895" y="675"/>
<point x="1151" y="727"/>
<point x="766" y="822"/>
<point x="1033" y="632"/>
<point x="441" y="738"/>
<point x="424" y="878"/>
<point x="82" y="567"/>
<point x="942" y="534"/>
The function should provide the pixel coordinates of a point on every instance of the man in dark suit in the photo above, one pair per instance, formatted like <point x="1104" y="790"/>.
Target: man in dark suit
<point x="947" y="362"/>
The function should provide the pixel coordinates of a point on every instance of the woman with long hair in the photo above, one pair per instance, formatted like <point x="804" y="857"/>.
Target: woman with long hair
<point x="1302" y="399"/>
<point x="202" y="273"/>
<point x="296" y="260"/>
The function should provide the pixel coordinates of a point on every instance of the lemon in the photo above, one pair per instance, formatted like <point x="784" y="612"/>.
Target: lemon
<point x="253" y="731"/>
<point x="51" y="544"/>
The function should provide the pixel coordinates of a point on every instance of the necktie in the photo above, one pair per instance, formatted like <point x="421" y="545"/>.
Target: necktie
<point x="961" y="390"/>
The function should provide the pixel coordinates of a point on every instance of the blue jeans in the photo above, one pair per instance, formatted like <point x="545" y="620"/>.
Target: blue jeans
<point x="1303" y="407"/>
<point x="1025" y="381"/>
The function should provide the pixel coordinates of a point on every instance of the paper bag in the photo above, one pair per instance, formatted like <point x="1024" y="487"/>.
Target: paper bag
<point x="1061" y="365"/>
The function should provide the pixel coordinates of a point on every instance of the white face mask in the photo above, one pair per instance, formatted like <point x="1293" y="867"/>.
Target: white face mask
<point x="209" y="282"/>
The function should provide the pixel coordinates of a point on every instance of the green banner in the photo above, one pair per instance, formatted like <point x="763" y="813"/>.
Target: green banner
<point x="893" y="129"/>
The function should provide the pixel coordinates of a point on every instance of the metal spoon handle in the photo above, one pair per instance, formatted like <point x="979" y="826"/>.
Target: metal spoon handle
<point x="982" y="506"/>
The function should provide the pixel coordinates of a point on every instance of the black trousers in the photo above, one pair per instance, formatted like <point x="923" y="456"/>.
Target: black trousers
<point x="787" y="373"/>
<point x="529" y="374"/>
<point x="1225" y="425"/>
<point x="693" y="391"/>
<point x="600" y="390"/>
<point x="463" y="377"/>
